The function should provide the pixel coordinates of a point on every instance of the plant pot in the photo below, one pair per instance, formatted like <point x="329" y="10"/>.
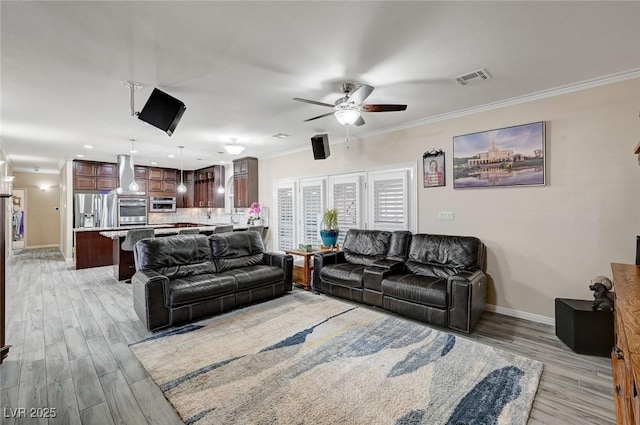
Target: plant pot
<point x="329" y="237"/>
<point x="257" y="222"/>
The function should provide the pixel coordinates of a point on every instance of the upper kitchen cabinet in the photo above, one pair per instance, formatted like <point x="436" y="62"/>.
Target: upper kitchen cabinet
<point x="162" y="181"/>
<point x="207" y="184"/>
<point x="245" y="182"/>
<point x="89" y="175"/>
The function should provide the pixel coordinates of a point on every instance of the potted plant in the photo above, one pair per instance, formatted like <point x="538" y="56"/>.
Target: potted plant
<point x="330" y="232"/>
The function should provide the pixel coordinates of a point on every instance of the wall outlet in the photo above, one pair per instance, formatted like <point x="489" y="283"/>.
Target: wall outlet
<point x="446" y="216"/>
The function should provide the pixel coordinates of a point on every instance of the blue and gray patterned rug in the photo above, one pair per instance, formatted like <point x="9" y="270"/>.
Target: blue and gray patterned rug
<point x="311" y="359"/>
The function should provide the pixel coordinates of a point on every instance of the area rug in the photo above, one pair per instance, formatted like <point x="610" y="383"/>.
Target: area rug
<point x="311" y="359"/>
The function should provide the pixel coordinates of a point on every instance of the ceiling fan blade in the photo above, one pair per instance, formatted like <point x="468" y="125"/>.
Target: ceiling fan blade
<point x="313" y="102"/>
<point x="319" y="116"/>
<point x="383" y="108"/>
<point x="358" y="96"/>
<point x="359" y="122"/>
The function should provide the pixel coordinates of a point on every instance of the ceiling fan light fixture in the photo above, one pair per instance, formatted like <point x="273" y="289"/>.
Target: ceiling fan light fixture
<point x="347" y="116"/>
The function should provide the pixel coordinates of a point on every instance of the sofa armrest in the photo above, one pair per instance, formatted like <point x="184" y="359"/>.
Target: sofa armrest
<point x="321" y="259"/>
<point x="285" y="262"/>
<point x="387" y="264"/>
<point x="373" y="276"/>
<point x="151" y="298"/>
<point x="467" y="295"/>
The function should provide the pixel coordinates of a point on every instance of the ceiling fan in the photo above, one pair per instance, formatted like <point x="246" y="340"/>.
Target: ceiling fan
<point x="348" y="108"/>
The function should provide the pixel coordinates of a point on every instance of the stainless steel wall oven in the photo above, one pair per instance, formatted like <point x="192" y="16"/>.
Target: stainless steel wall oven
<point x="132" y="211"/>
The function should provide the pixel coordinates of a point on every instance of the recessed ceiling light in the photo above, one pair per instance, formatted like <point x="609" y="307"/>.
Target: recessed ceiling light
<point x="154" y="163"/>
<point x="199" y="159"/>
<point x="171" y="155"/>
<point x="88" y="146"/>
<point x="80" y="155"/>
<point x="281" y="136"/>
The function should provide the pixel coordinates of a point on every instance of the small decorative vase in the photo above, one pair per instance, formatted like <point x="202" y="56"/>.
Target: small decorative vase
<point x="329" y="237"/>
<point x="257" y="222"/>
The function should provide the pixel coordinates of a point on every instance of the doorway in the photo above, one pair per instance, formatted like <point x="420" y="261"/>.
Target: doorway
<point x="18" y="219"/>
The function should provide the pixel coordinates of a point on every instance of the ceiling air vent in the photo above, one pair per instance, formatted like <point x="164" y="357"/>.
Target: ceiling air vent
<point x="480" y="74"/>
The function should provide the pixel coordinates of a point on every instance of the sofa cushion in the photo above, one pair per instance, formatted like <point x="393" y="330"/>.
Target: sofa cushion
<point x="366" y="246"/>
<point x="175" y="256"/>
<point x="191" y="289"/>
<point x="234" y="250"/>
<point x="442" y="255"/>
<point x="419" y="289"/>
<point x="345" y="274"/>
<point x="255" y="276"/>
<point x="399" y="245"/>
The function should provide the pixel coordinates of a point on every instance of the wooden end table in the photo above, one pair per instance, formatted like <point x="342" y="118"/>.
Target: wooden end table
<point x="302" y="275"/>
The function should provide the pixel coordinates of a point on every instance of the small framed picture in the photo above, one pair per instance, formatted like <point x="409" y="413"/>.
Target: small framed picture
<point x="433" y="167"/>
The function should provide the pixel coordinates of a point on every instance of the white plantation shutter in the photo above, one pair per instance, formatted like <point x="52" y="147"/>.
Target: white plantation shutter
<point x="285" y="216"/>
<point x="388" y="205"/>
<point x="312" y="194"/>
<point x="346" y="198"/>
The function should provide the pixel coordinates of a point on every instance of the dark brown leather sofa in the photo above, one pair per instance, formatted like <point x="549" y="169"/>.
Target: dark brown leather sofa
<point x="181" y="278"/>
<point x="436" y="279"/>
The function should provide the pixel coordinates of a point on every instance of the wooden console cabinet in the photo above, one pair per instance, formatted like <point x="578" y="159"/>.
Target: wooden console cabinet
<point x="625" y="357"/>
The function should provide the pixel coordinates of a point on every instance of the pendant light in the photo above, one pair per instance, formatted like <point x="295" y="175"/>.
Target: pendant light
<point x="133" y="148"/>
<point x="220" y="186"/>
<point x="233" y="149"/>
<point x="181" y="187"/>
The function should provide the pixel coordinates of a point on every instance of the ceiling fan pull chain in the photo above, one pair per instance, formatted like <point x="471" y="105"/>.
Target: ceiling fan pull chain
<point x="348" y="137"/>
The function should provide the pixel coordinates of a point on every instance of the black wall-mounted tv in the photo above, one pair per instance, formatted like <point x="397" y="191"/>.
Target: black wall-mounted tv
<point x="162" y="111"/>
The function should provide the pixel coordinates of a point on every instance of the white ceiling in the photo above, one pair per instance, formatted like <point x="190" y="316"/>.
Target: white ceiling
<point x="237" y="66"/>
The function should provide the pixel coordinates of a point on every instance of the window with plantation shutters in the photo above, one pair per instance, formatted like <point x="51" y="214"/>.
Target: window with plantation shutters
<point x="312" y="204"/>
<point x="388" y="203"/>
<point x="285" y="216"/>
<point x="346" y="198"/>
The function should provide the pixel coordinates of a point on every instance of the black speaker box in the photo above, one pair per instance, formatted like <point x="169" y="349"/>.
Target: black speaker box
<point x="584" y="330"/>
<point x="320" y="145"/>
<point x="162" y="111"/>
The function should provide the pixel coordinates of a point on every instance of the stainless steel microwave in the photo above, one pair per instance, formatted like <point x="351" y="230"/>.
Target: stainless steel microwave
<point x="162" y="204"/>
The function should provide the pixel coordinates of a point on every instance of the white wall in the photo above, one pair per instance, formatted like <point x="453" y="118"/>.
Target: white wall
<point x="543" y="242"/>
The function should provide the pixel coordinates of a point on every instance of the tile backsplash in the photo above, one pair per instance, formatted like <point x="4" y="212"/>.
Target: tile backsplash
<point x="206" y="216"/>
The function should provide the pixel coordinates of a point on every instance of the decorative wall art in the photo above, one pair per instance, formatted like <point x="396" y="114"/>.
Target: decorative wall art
<point x="433" y="168"/>
<point x="511" y="156"/>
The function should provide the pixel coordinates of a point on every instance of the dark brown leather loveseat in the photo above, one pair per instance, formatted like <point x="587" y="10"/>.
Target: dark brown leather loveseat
<point x="437" y="279"/>
<point x="181" y="278"/>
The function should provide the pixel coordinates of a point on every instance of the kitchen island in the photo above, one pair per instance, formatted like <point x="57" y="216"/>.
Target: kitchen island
<point x="94" y="250"/>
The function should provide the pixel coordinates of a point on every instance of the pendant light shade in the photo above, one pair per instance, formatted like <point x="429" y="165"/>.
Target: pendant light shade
<point x="181" y="187"/>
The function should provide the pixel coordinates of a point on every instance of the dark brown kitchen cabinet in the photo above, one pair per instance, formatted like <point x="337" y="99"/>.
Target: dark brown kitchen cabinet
<point x="154" y="185"/>
<point x="140" y="172"/>
<point x="206" y="184"/>
<point x="154" y="173"/>
<point x="89" y="175"/>
<point x="245" y="182"/>
<point x="187" y="199"/>
<point x="169" y="174"/>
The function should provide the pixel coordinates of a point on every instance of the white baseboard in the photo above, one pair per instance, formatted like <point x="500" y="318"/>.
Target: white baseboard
<point x="521" y="314"/>
<point x="42" y="246"/>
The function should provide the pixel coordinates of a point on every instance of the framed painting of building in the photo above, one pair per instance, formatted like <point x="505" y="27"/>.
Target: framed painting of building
<point x="511" y="156"/>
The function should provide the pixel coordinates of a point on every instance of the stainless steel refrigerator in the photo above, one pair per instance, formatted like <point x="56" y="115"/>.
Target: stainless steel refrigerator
<point x="94" y="210"/>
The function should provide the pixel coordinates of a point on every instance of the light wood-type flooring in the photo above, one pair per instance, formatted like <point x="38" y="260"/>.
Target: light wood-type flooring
<point x="70" y="329"/>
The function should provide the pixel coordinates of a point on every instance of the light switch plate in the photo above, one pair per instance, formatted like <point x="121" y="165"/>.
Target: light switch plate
<point x="446" y="215"/>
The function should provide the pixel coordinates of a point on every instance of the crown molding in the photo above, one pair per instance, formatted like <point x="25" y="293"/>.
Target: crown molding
<point x="556" y="91"/>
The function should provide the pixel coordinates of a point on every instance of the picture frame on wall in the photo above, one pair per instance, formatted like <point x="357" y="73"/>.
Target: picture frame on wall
<point x="433" y="167"/>
<point x="505" y="157"/>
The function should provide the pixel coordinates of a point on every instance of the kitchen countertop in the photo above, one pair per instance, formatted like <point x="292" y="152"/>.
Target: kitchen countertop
<point x="114" y="234"/>
<point x="102" y="229"/>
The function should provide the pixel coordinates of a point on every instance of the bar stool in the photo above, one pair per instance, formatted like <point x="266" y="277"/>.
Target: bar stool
<point x="133" y="236"/>
<point x="259" y="229"/>
<point x="223" y="229"/>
